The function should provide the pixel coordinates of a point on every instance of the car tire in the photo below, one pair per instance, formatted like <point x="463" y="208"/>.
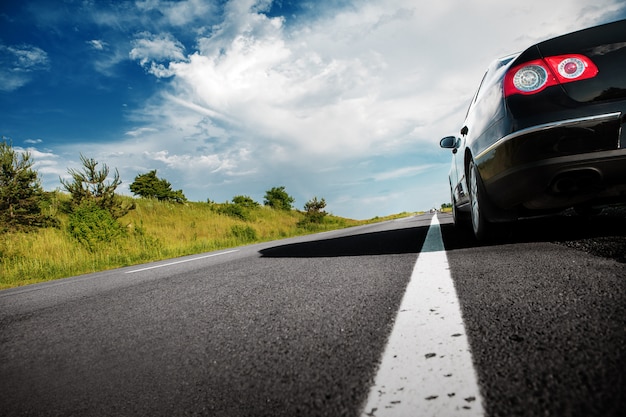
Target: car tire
<point x="483" y="229"/>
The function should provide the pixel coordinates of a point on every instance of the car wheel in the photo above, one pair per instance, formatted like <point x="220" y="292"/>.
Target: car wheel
<point x="483" y="230"/>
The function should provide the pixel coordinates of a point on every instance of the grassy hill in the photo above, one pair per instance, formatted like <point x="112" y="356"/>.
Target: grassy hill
<point x="152" y="231"/>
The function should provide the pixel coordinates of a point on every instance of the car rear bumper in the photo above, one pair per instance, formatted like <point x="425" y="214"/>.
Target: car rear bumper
<point x="558" y="165"/>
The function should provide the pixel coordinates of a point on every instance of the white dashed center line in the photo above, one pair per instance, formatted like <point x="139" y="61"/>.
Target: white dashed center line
<point x="426" y="369"/>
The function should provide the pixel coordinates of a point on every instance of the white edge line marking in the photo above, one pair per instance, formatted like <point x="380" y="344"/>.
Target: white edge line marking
<point x="180" y="262"/>
<point x="426" y="368"/>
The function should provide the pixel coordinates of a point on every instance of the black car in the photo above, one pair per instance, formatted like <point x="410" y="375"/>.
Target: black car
<point x="545" y="131"/>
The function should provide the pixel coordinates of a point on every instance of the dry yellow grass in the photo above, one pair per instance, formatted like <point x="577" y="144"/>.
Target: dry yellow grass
<point x="154" y="231"/>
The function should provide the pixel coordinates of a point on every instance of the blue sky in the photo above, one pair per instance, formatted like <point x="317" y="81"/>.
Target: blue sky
<point x="340" y="99"/>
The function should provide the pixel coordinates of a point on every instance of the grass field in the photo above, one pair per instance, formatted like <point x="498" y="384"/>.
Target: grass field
<point x="152" y="231"/>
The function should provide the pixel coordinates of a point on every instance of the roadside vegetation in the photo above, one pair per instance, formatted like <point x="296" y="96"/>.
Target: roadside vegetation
<point x="87" y="227"/>
<point x="446" y="208"/>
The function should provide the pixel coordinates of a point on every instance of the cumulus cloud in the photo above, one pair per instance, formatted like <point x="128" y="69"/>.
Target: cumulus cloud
<point x="286" y="90"/>
<point x="152" y="50"/>
<point x="368" y="77"/>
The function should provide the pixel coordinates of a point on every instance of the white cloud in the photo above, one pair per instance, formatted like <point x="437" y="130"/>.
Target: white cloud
<point x="208" y="163"/>
<point x="179" y="13"/>
<point x="29" y="57"/>
<point x="151" y="50"/>
<point x="410" y="171"/>
<point x="33" y="141"/>
<point x="140" y="131"/>
<point x="47" y="164"/>
<point x="18" y="64"/>
<point x="150" y="47"/>
<point x="97" y="44"/>
<point x="107" y="56"/>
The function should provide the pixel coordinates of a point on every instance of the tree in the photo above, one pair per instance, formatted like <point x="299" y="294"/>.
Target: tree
<point x="315" y="207"/>
<point x="89" y="187"/>
<point x="315" y="210"/>
<point x="20" y="191"/>
<point x="278" y="198"/>
<point x="314" y="214"/>
<point x="150" y="186"/>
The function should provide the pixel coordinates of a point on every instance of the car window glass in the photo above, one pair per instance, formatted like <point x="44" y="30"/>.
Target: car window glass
<point x="494" y="69"/>
<point x="475" y="98"/>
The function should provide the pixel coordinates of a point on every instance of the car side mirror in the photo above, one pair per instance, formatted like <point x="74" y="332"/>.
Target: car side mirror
<point x="450" y="142"/>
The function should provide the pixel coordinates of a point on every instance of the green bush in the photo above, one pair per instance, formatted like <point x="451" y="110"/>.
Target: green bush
<point x="243" y="233"/>
<point x="245" y="201"/>
<point x="314" y="214"/>
<point x="311" y="223"/>
<point x="235" y="210"/>
<point x="94" y="226"/>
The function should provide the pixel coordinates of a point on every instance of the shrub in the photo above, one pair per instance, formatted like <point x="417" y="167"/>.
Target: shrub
<point x="243" y="233"/>
<point x="234" y="210"/>
<point x="315" y="210"/>
<point x="94" y="226"/>
<point x="245" y="201"/>
<point x="314" y="215"/>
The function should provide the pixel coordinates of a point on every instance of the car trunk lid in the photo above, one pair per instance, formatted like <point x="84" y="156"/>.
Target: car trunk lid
<point x="605" y="46"/>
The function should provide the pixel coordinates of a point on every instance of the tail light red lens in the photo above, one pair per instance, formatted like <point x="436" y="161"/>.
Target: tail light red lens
<point x="534" y="76"/>
<point x="568" y="68"/>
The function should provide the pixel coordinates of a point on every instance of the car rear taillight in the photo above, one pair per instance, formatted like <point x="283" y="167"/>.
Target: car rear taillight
<point x="570" y="68"/>
<point x="534" y="76"/>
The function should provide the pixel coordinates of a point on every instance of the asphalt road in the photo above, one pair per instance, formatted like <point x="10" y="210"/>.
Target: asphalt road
<point x="297" y="327"/>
